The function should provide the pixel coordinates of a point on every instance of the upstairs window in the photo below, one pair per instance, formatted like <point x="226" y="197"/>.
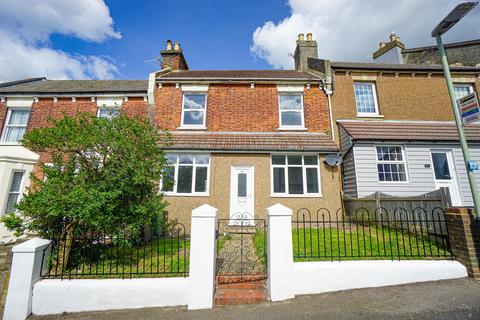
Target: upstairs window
<point x="108" y="112"/>
<point x="391" y="164"/>
<point x="462" y="90"/>
<point x="14" y="191"/>
<point x="15" y="125"/>
<point x="295" y="175"/>
<point x="194" y="107"/>
<point x="291" y="111"/>
<point x="366" y="98"/>
<point x="187" y="174"/>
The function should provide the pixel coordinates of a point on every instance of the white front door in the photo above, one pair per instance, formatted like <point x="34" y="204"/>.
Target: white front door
<point x="242" y="195"/>
<point x="444" y="174"/>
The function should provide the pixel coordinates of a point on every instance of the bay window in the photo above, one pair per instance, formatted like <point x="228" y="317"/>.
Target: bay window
<point x="295" y="175"/>
<point x="14" y="191"/>
<point x="187" y="174"/>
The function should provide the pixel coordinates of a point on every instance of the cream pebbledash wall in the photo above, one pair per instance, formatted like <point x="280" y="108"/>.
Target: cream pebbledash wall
<point x="180" y="207"/>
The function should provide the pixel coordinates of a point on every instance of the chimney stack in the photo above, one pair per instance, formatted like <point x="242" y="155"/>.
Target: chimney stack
<point x="305" y="49"/>
<point x="391" y="51"/>
<point x="173" y="57"/>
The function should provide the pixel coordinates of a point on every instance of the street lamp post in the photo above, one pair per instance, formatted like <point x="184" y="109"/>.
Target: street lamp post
<point x="448" y="22"/>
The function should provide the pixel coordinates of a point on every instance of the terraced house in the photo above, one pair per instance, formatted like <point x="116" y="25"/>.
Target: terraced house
<point x="30" y="103"/>
<point x="243" y="140"/>
<point x="394" y="122"/>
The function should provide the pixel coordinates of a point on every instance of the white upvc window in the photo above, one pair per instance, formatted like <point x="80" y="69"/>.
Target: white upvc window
<point x="366" y="98"/>
<point x="295" y="175"/>
<point x="194" y="110"/>
<point x="462" y="89"/>
<point x="187" y="174"/>
<point x="109" y="107"/>
<point x="15" y="125"/>
<point x="291" y="111"/>
<point x="108" y="112"/>
<point x="391" y="164"/>
<point x="14" y="191"/>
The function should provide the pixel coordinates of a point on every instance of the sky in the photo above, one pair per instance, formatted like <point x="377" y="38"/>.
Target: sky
<point x="121" y="39"/>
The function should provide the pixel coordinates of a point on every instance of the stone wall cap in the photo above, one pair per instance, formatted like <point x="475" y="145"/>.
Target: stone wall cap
<point x="205" y="211"/>
<point x="279" y="210"/>
<point x="32" y="246"/>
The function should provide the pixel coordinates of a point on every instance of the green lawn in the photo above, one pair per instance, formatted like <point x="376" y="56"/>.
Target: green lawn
<point x="362" y="243"/>
<point x="157" y="258"/>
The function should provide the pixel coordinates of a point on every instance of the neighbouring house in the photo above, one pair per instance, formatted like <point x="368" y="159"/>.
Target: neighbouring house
<point x="30" y="103"/>
<point x="464" y="53"/>
<point x="243" y="140"/>
<point x="396" y="127"/>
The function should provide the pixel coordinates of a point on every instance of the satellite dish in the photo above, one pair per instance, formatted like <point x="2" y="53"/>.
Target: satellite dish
<point x="333" y="160"/>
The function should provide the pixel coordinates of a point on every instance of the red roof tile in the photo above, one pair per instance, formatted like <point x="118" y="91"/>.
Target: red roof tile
<point x="251" y="141"/>
<point x="239" y="75"/>
<point x="407" y="130"/>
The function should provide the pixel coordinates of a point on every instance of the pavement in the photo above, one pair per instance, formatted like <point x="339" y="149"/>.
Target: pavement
<point x="450" y="299"/>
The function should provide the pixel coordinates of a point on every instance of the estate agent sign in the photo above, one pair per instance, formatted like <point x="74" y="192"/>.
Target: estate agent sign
<point x="468" y="108"/>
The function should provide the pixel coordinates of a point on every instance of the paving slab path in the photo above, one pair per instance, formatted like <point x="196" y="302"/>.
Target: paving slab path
<point x="442" y="300"/>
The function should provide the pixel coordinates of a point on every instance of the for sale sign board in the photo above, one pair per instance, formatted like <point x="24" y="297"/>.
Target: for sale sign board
<point x="468" y="108"/>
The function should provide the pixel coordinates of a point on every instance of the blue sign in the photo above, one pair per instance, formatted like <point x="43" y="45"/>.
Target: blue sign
<point x="472" y="165"/>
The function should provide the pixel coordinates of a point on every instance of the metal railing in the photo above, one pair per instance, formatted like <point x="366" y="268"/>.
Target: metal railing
<point x="370" y="235"/>
<point x="152" y="253"/>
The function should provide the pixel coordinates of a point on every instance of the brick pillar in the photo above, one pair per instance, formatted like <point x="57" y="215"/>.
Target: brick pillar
<point x="464" y="234"/>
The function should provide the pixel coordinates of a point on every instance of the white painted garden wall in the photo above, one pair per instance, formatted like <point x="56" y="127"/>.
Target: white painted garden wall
<point x="55" y="296"/>
<point x="319" y="277"/>
<point x="288" y="278"/>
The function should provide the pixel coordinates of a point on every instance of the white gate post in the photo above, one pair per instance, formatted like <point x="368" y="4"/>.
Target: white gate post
<point x="25" y="271"/>
<point x="280" y="253"/>
<point x="202" y="257"/>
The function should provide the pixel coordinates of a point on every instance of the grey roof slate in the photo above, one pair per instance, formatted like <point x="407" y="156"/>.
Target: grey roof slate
<point x="76" y="86"/>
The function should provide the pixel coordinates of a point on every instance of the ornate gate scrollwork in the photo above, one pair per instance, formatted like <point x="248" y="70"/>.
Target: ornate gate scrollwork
<point x="241" y="249"/>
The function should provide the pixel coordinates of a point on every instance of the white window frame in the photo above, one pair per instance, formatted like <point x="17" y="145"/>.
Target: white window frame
<point x="20" y="191"/>
<point x="6" y="125"/>
<point x="304" y="176"/>
<point x="375" y="99"/>
<point x="404" y="162"/>
<point x="464" y="85"/>
<point x="106" y="107"/>
<point x="194" y="126"/>
<point x="194" y="175"/>
<point x="302" y="112"/>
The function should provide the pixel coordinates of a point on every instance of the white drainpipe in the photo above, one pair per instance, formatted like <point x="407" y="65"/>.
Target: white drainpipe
<point x="329" y="93"/>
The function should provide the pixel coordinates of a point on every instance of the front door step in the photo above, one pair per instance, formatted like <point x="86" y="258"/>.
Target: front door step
<point x="246" y="292"/>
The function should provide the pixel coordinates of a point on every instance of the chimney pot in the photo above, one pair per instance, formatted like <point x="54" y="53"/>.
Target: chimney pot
<point x="177" y="46"/>
<point x="382" y="44"/>
<point x="393" y="36"/>
<point x="169" y="45"/>
<point x="301" y="37"/>
<point x="309" y="36"/>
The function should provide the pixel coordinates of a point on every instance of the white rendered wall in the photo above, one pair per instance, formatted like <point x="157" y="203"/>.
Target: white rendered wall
<point x="318" y="277"/>
<point x="54" y="296"/>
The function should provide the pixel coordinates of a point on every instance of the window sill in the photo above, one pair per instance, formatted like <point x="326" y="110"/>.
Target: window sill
<point x="316" y="195"/>
<point x="185" y="194"/>
<point x="394" y="182"/>
<point x="292" y="129"/>
<point x="10" y="143"/>
<point x="192" y="128"/>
